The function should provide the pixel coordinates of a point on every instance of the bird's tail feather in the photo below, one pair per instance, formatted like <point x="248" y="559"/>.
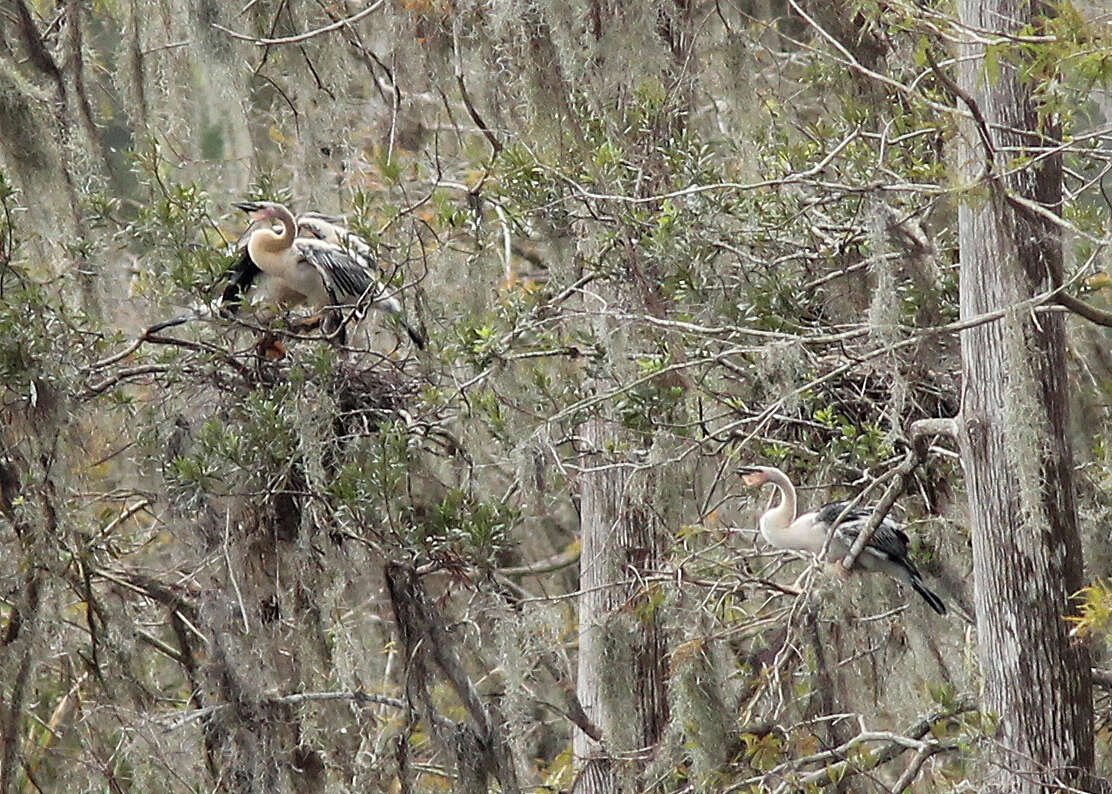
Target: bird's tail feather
<point x="417" y="337"/>
<point x="182" y="320"/>
<point x="928" y="596"/>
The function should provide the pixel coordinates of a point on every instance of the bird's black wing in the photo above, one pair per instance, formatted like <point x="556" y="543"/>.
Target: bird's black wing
<point x="888" y="540"/>
<point x="317" y="226"/>
<point x="348" y="280"/>
<point x="240" y="277"/>
<point x="344" y="277"/>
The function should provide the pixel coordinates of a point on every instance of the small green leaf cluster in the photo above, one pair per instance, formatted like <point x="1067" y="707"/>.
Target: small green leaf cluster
<point x="241" y="452"/>
<point x="851" y="441"/>
<point x="1094" y="611"/>
<point x="463" y="526"/>
<point x="655" y="400"/>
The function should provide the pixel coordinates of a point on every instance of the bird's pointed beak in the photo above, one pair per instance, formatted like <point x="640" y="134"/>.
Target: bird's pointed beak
<point x="248" y="206"/>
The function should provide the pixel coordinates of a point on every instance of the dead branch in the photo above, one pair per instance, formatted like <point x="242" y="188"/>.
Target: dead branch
<point x="899" y="479"/>
<point x="556" y="562"/>
<point x="302" y="36"/>
<point x="974" y="109"/>
<point x="480" y="747"/>
<point x="495" y="144"/>
<point x="894" y="745"/>
<point x="1086" y="310"/>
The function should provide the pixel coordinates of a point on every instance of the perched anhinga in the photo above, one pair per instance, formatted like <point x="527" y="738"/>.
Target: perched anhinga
<point x="885" y="551"/>
<point x="328" y="229"/>
<point x="313" y="260"/>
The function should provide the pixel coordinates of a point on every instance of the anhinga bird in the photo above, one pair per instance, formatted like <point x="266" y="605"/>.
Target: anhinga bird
<point x="313" y="260"/>
<point x="885" y="551"/>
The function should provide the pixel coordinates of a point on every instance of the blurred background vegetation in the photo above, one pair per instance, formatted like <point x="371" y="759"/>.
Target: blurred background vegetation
<point x="724" y="233"/>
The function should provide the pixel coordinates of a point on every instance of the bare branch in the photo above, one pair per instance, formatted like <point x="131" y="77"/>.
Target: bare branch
<point x="482" y="125"/>
<point x="302" y="36"/>
<point x="568" y="556"/>
<point x="974" y="109"/>
<point x="1086" y="310"/>
<point x="934" y="427"/>
<point x="900" y="476"/>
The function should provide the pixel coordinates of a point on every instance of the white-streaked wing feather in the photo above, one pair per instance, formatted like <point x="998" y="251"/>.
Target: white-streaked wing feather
<point x="343" y="277"/>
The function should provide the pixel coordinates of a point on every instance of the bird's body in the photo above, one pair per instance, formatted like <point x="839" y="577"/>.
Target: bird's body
<point x="885" y="551"/>
<point x="312" y="260"/>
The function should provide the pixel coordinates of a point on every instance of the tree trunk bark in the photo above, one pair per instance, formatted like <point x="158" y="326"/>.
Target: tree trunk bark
<point x="621" y="672"/>
<point x="1014" y="433"/>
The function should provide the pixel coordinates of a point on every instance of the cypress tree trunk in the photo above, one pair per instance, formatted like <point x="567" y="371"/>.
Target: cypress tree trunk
<point x="621" y="670"/>
<point x="1014" y="433"/>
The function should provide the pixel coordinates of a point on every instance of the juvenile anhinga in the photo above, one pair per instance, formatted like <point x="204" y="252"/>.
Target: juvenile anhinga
<point x="313" y="260"/>
<point x="885" y="551"/>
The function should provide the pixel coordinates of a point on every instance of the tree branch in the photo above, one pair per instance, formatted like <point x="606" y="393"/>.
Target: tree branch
<point x="915" y="456"/>
<point x="302" y="36"/>
<point x="895" y="745"/>
<point x="974" y="109"/>
<point x="1086" y="310"/>
<point x="934" y="427"/>
<point x="482" y="125"/>
<point x="424" y="636"/>
<point x="36" y="48"/>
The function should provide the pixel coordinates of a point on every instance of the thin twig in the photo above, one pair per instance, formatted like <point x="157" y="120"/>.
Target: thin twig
<point x="467" y="103"/>
<point x="302" y="36"/>
<point x="232" y="573"/>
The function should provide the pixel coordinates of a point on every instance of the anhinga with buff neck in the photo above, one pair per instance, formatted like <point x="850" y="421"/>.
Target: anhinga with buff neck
<point x="885" y="551"/>
<point x="312" y="260"/>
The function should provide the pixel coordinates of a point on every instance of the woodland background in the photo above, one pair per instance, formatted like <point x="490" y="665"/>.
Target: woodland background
<point x="649" y="242"/>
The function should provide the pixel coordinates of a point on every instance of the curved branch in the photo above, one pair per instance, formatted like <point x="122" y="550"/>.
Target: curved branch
<point x="302" y="36"/>
<point x="1086" y="310"/>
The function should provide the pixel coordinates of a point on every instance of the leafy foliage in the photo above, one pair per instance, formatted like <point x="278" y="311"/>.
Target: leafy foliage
<point x="299" y="566"/>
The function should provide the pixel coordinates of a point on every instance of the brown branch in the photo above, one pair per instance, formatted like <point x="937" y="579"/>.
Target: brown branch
<point x="1083" y="309"/>
<point x="180" y="599"/>
<point x="23" y="615"/>
<point x="101" y="386"/>
<point x="149" y="335"/>
<point x="934" y="427"/>
<point x="299" y="698"/>
<point x="144" y="336"/>
<point x="490" y="136"/>
<point x="15" y="709"/>
<point x="912" y="770"/>
<point x="896" y="745"/>
<point x="424" y="637"/>
<point x="39" y="55"/>
<point x="900" y="475"/>
<point x="974" y="109"/>
<point x="77" y="60"/>
<point x="467" y="103"/>
<point x="573" y="708"/>
<point x="556" y="562"/>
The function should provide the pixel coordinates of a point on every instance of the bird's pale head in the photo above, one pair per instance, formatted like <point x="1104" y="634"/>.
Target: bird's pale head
<point x="753" y="475"/>
<point x="260" y="210"/>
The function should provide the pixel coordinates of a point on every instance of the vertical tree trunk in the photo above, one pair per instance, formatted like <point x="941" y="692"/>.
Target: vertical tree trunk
<point x="621" y="655"/>
<point x="1014" y="436"/>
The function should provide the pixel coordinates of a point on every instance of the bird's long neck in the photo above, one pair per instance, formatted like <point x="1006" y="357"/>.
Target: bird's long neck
<point x="781" y="516"/>
<point x="267" y="240"/>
